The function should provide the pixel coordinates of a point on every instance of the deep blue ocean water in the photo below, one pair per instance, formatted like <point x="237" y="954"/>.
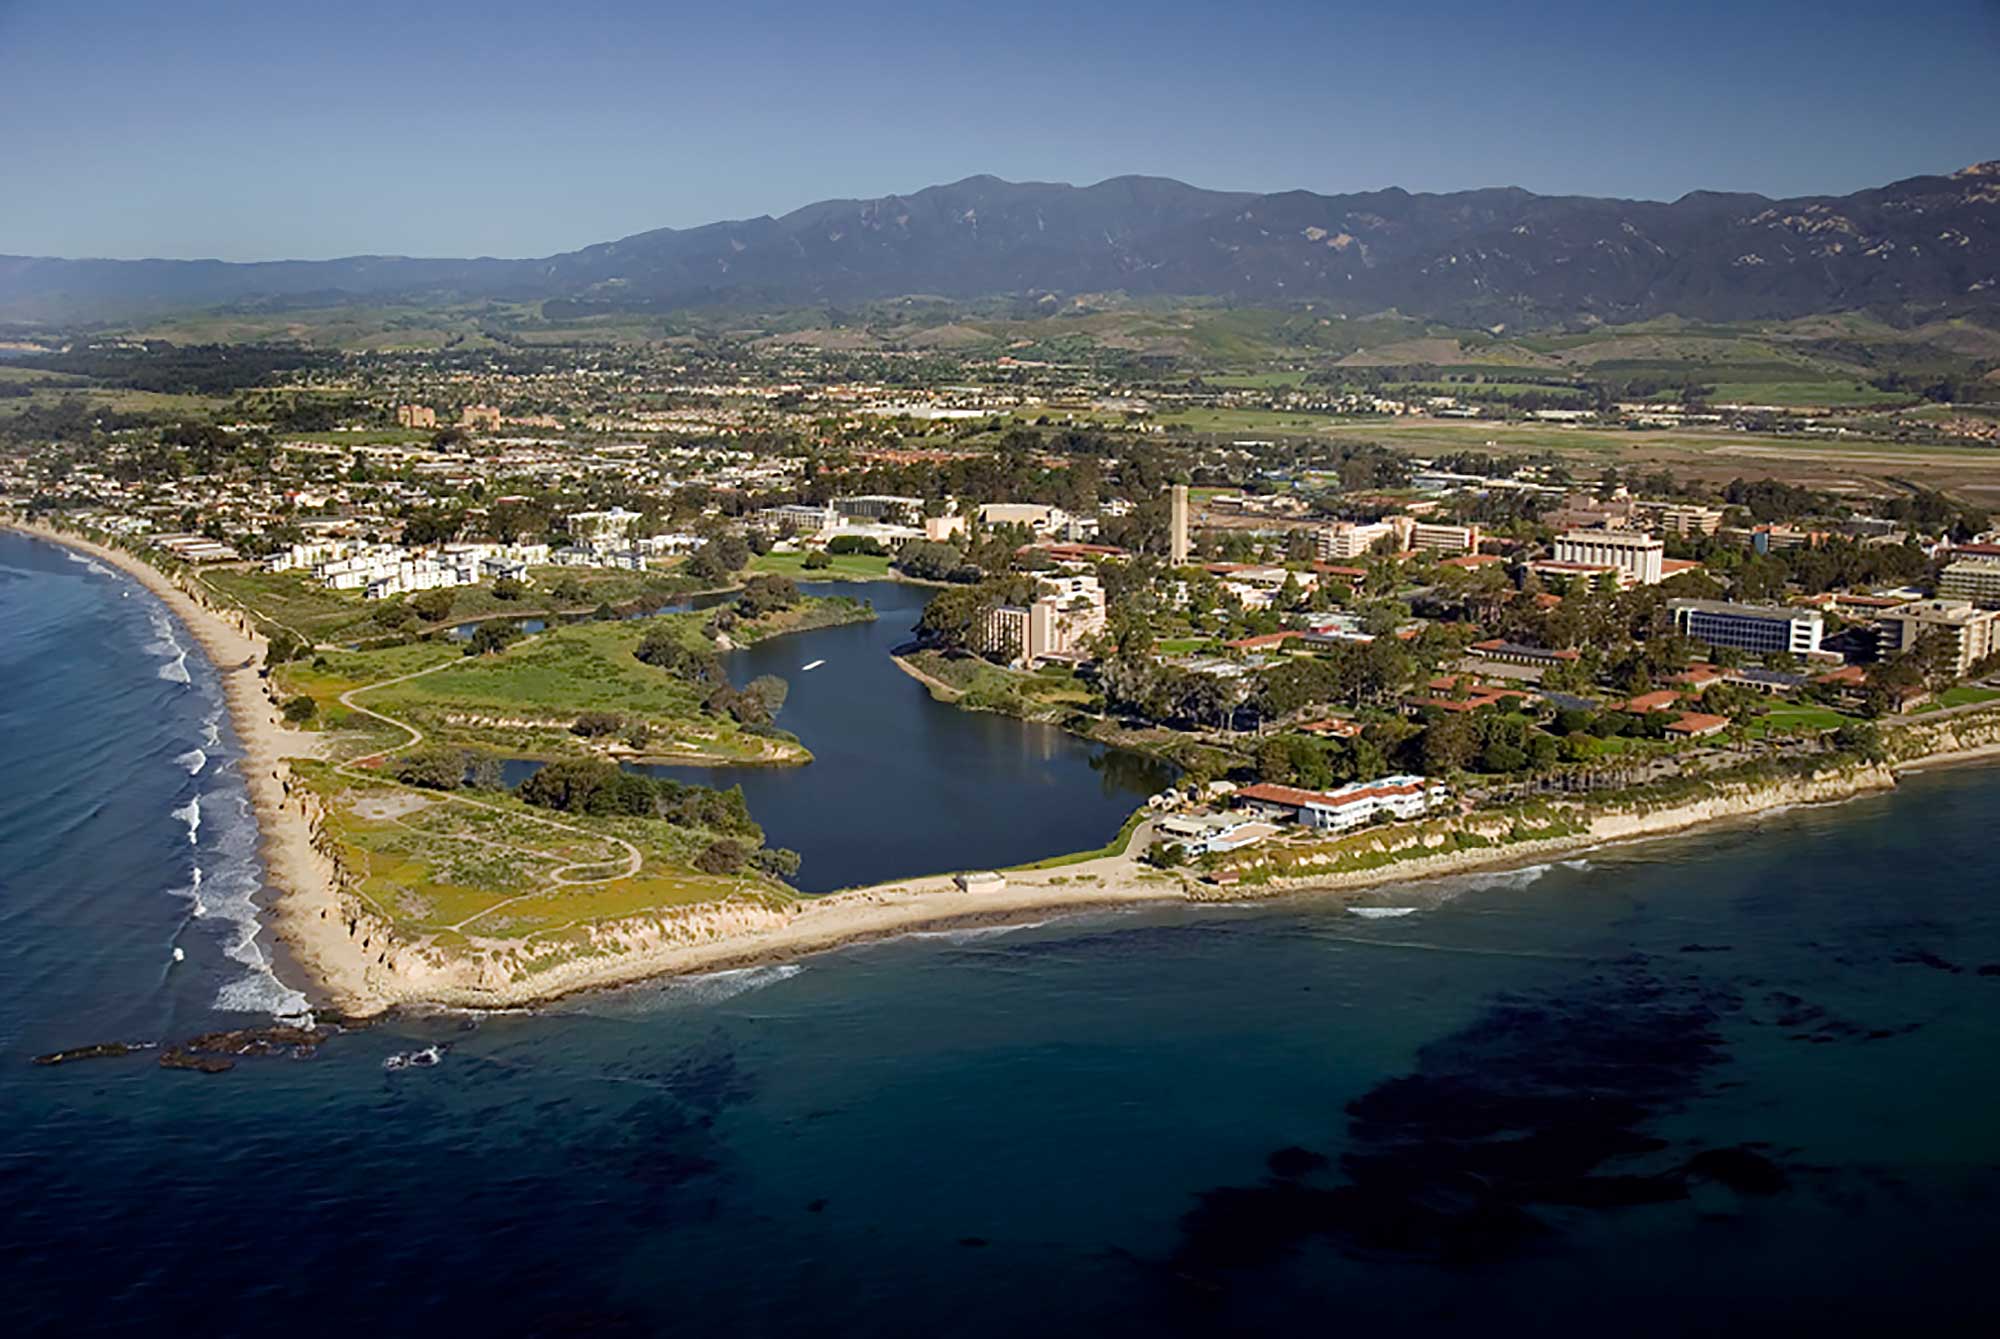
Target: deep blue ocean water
<point x="1477" y="1116"/>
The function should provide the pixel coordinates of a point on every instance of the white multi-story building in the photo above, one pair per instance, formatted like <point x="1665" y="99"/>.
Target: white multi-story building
<point x="1972" y="633"/>
<point x="1352" y="539"/>
<point x="1402" y="796"/>
<point x="1639" y="557"/>
<point x="801" y="518"/>
<point x="1054" y="625"/>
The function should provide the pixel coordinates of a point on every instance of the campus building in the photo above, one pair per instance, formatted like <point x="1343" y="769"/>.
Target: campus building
<point x="1974" y="579"/>
<point x="1351" y="539"/>
<point x="1973" y="633"/>
<point x="1756" y="628"/>
<point x="1401" y="797"/>
<point x="1054" y="626"/>
<point x="1638" y="557"/>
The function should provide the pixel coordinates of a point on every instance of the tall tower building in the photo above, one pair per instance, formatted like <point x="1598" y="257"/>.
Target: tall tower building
<point x="1177" y="535"/>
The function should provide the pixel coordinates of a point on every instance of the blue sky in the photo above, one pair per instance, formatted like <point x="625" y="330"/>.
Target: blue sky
<point x="191" y="128"/>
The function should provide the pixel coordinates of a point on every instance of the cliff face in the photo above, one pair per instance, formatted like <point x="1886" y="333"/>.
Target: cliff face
<point x="1455" y="845"/>
<point x="1944" y="738"/>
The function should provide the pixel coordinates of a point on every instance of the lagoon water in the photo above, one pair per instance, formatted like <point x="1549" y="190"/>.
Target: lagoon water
<point x="1103" y="1125"/>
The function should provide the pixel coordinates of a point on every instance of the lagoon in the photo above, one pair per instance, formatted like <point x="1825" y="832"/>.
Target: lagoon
<point x="901" y="784"/>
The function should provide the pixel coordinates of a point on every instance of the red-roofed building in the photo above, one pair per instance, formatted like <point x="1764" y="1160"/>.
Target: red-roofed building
<point x="1266" y="641"/>
<point x="1696" y="725"/>
<point x="1403" y="796"/>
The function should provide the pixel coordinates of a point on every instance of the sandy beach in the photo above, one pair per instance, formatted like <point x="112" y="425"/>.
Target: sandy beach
<point x="360" y="967"/>
<point x="304" y="910"/>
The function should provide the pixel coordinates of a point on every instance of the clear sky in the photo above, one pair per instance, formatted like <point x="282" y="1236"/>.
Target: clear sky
<point x="256" y="129"/>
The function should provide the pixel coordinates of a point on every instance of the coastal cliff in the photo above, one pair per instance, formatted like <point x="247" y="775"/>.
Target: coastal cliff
<point x="362" y="963"/>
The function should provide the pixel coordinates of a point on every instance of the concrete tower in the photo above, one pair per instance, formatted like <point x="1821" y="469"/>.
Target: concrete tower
<point x="1177" y="535"/>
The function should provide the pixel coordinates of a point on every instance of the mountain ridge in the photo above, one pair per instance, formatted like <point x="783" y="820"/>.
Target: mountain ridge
<point x="1926" y="244"/>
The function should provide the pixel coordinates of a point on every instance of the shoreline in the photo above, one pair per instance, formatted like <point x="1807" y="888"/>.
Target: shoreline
<point x="303" y="909"/>
<point x="321" y="931"/>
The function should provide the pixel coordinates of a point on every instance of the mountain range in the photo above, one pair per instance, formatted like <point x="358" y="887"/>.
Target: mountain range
<point x="1925" y="246"/>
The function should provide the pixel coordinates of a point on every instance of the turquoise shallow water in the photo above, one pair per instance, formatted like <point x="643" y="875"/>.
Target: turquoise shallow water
<point x="1521" y="1106"/>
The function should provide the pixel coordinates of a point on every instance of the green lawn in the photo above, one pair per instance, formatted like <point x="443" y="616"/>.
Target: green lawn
<point x="1795" y="719"/>
<point x="845" y="567"/>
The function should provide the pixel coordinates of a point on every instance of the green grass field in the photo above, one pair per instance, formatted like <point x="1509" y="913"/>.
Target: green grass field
<point x="483" y="864"/>
<point x="846" y="567"/>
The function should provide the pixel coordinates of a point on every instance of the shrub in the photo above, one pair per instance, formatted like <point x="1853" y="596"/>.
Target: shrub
<point x="492" y="637"/>
<point x="592" y="724"/>
<point x="301" y="709"/>
<point x="433" y="605"/>
<point x="817" y="562"/>
<point x="721" y="857"/>
<point x="507" y="588"/>
<point x="434" y="768"/>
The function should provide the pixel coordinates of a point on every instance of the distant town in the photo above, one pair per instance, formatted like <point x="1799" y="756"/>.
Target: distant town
<point x="1320" y="633"/>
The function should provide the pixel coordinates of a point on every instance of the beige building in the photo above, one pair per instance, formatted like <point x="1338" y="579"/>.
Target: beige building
<point x="480" y="417"/>
<point x="416" y="416"/>
<point x="1974" y="579"/>
<point x="1680" y="518"/>
<point x="1435" y="537"/>
<point x="1353" y="539"/>
<point x="1638" y="557"/>
<point x="1974" y="633"/>
<point x="1054" y="626"/>
<point x="941" y="528"/>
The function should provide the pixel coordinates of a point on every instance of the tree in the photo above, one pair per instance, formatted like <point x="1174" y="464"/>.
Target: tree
<point x="664" y="648"/>
<point x="434" y="606"/>
<point x="282" y="647"/>
<point x="433" y="767"/>
<point x="1448" y="744"/>
<point x="928" y="560"/>
<point x="766" y="594"/>
<point x="953" y="618"/>
<point x="301" y="709"/>
<point x="508" y="588"/>
<point x="770" y="690"/>
<point x="816" y="561"/>
<point x="594" y="724"/>
<point x="721" y="856"/>
<point x="492" y="637"/>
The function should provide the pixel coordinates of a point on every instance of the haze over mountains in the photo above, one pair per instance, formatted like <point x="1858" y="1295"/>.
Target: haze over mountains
<point x="1923" y="246"/>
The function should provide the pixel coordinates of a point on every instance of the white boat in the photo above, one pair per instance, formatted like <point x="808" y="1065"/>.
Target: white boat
<point x="815" y="665"/>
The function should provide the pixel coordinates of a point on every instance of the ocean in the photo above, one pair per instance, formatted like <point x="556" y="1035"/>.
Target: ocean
<point x="1738" y="1081"/>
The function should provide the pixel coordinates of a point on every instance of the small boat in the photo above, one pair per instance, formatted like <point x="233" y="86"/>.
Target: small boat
<point x="815" y="665"/>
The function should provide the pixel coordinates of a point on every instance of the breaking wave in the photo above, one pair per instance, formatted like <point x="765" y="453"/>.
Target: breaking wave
<point x="167" y="645"/>
<point x="1380" y="913"/>
<point x="226" y="897"/>
<point x="424" y="1059"/>
<point x="190" y="814"/>
<point x="194" y="760"/>
<point x="709" y="988"/>
<point x="87" y="562"/>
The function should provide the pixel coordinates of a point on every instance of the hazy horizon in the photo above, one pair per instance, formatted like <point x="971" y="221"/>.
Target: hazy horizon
<point x="222" y="129"/>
